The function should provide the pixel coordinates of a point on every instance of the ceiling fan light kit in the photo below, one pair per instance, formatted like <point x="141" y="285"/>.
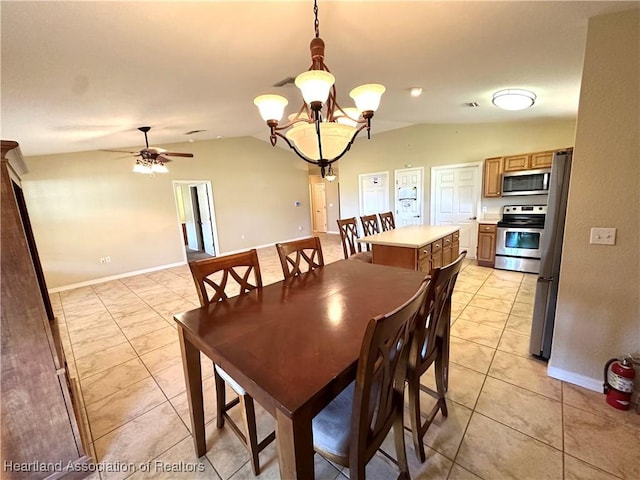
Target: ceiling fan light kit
<point x="514" y="99"/>
<point x="321" y="132"/>
<point x="152" y="160"/>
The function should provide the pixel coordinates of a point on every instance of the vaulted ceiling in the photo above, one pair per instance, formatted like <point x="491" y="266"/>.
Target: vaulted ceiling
<point x="80" y="76"/>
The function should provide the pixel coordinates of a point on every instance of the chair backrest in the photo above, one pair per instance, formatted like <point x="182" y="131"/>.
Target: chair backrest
<point x="349" y="235"/>
<point x="434" y="314"/>
<point x="387" y="221"/>
<point x="370" y="224"/>
<point x="300" y="256"/>
<point x="216" y="273"/>
<point x="379" y="389"/>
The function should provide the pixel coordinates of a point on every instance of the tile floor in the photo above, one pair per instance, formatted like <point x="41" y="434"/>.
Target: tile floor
<point x="507" y="419"/>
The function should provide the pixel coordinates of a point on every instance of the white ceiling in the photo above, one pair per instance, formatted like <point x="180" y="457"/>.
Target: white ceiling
<point x="80" y="76"/>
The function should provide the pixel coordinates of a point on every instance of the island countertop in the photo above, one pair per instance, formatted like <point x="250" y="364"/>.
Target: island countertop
<point x="411" y="236"/>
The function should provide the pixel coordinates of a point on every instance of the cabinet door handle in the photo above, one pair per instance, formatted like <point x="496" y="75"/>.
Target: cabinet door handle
<point x="437" y="245"/>
<point x="473" y="218"/>
<point x="425" y="251"/>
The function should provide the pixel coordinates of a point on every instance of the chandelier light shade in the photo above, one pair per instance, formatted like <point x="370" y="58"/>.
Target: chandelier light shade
<point x="321" y="132"/>
<point x="514" y="99"/>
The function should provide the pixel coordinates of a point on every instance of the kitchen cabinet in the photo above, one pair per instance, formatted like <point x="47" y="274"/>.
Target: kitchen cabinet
<point x="515" y="163"/>
<point x="40" y="412"/>
<point x="541" y="159"/>
<point x="495" y="166"/>
<point x="417" y="247"/>
<point x="492" y="177"/>
<point x="486" y="254"/>
<point x="528" y="161"/>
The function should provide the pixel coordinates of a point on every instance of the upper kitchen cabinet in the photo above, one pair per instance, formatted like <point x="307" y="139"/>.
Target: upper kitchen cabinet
<point x="496" y="166"/>
<point x="528" y="161"/>
<point x="541" y="159"/>
<point x="492" y="177"/>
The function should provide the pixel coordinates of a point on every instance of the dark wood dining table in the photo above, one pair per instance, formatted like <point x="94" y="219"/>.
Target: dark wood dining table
<point x="292" y="345"/>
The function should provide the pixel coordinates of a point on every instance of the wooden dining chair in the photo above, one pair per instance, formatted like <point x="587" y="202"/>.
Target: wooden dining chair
<point x="387" y="221"/>
<point x="370" y="224"/>
<point x="350" y="430"/>
<point x="350" y="246"/>
<point x="216" y="280"/>
<point x="430" y="345"/>
<point x="299" y="256"/>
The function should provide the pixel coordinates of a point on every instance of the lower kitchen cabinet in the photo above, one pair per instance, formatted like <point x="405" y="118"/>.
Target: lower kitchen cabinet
<point x="486" y="254"/>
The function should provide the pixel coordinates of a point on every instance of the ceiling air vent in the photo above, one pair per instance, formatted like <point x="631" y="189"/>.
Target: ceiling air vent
<point x="285" y="81"/>
<point x="194" y="131"/>
<point x="472" y="104"/>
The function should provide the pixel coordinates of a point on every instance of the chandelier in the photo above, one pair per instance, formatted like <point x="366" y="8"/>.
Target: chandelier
<point x="321" y="132"/>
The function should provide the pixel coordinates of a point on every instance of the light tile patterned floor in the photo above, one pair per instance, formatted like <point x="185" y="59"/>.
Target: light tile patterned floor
<point x="507" y="419"/>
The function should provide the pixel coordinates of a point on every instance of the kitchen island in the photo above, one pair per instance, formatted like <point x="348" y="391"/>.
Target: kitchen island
<point x="417" y="247"/>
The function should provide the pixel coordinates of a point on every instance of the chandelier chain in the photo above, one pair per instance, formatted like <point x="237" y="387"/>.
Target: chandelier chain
<point x="316" y="23"/>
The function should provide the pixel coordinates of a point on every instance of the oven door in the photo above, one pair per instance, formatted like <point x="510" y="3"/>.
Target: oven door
<point x="519" y="242"/>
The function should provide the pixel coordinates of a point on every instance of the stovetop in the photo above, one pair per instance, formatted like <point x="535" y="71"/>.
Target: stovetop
<point x="523" y="216"/>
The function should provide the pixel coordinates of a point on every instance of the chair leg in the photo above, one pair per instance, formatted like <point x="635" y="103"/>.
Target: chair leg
<point x="414" y="415"/>
<point x="398" y="433"/>
<point x="441" y="380"/>
<point x="220" y="398"/>
<point x="249" y="416"/>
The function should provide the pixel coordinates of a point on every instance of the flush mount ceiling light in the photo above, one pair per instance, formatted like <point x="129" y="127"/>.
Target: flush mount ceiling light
<point x="415" y="91"/>
<point x="514" y="99"/>
<point x="322" y="131"/>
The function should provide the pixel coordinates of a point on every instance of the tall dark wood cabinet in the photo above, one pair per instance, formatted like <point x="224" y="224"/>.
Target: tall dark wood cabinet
<point x="40" y="432"/>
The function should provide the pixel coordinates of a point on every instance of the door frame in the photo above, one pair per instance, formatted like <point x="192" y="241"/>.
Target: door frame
<point x="361" y="193"/>
<point x="420" y="190"/>
<point x="212" y="210"/>
<point x="479" y="167"/>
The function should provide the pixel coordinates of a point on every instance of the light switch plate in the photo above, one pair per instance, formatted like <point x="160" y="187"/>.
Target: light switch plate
<point x="603" y="236"/>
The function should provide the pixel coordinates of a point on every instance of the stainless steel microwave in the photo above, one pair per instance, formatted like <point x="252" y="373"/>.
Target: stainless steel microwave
<point x="526" y="182"/>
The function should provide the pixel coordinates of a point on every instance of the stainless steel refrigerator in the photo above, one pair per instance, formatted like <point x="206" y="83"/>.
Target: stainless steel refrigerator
<point x="544" y="307"/>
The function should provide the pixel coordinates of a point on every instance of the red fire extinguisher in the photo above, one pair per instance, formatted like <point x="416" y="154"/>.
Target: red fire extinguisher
<point x="618" y="382"/>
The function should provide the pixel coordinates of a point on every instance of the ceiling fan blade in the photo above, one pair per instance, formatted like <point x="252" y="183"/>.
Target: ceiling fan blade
<point x="162" y="159"/>
<point x="119" y="151"/>
<point x="176" y="154"/>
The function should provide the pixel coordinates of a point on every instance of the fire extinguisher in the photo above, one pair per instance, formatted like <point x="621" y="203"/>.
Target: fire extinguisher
<point x="618" y="382"/>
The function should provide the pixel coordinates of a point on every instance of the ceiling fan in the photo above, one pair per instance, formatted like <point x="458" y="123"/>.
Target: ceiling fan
<point x="152" y="159"/>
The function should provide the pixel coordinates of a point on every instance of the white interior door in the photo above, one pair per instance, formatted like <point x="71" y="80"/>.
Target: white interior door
<point x="455" y="200"/>
<point x="319" y="200"/>
<point x="205" y="218"/>
<point x="374" y="193"/>
<point x="189" y="219"/>
<point x="408" y="196"/>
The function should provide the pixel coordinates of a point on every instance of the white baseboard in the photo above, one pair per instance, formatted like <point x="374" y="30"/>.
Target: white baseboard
<point x="576" y="379"/>
<point x="113" y="277"/>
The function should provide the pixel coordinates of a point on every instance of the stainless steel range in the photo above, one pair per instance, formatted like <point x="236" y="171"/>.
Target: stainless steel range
<point x="519" y="237"/>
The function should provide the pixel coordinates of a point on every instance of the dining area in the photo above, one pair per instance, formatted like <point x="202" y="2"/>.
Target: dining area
<point x="320" y="351"/>
<point x="136" y="402"/>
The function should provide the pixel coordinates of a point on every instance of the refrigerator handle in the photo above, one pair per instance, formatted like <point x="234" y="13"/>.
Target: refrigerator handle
<point x="545" y="181"/>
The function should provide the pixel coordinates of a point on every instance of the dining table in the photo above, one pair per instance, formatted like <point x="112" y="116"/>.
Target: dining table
<point x="292" y="345"/>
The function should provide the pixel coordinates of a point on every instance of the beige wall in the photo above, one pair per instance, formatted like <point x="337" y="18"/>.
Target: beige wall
<point x="88" y="205"/>
<point x="434" y="145"/>
<point x="598" y="314"/>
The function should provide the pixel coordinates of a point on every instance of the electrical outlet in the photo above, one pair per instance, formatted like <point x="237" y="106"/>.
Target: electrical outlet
<point x="103" y="260"/>
<point x="300" y="227"/>
<point x="107" y="259"/>
<point x="602" y="236"/>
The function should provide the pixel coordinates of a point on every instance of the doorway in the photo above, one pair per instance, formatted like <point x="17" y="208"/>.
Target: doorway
<point x="455" y="200"/>
<point x="319" y="207"/>
<point x="409" y="196"/>
<point x="194" y="203"/>
<point x="374" y="192"/>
